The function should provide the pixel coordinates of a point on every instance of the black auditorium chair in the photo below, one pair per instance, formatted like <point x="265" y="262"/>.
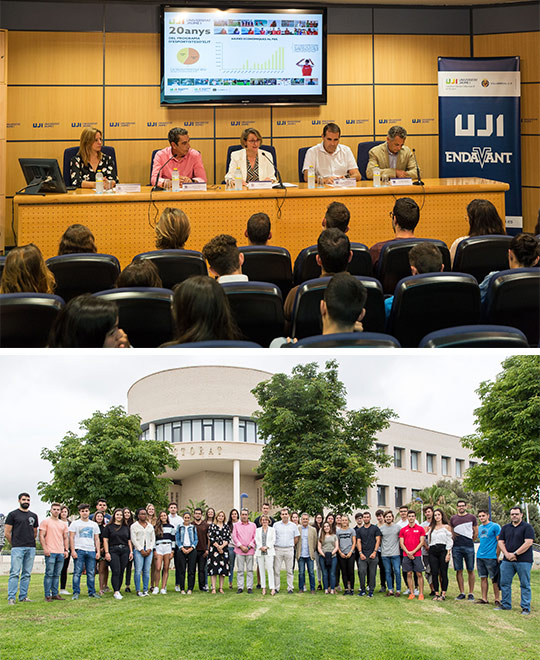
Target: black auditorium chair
<point x="144" y="313"/>
<point x="432" y="301"/>
<point x="26" y="319"/>
<point x="306" y="267"/>
<point x="2" y="262"/>
<point x="72" y="151"/>
<point x="218" y="343"/>
<point x="362" y="157"/>
<point x="83" y="273"/>
<point x="348" y="339"/>
<point x="265" y="263"/>
<point x="479" y="255"/>
<point x="306" y="314"/>
<point x="513" y="298"/>
<point x="301" y="157"/>
<point x="475" y="336"/>
<point x="175" y="266"/>
<point x="393" y="264"/>
<point x="257" y="308"/>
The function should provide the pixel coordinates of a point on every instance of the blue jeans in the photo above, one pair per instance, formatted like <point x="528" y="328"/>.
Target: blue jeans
<point x="328" y="575"/>
<point x="53" y="567"/>
<point x="508" y="570"/>
<point x="302" y="563"/>
<point x="22" y="561"/>
<point x="141" y="565"/>
<point x="392" y="569"/>
<point x="232" y="558"/>
<point x="85" y="559"/>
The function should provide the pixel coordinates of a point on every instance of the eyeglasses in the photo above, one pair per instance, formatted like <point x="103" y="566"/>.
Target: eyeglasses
<point x="253" y="141"/>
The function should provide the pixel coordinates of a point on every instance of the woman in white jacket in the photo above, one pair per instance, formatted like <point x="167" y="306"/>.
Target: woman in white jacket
<point x="254" y="163"/>
<point x="265" y="538"/>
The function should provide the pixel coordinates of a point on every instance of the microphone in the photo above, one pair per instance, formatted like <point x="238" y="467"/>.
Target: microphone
<point x="156" y="187"/>
<point x="419" y="181"/>
<point x="276" y="171"/>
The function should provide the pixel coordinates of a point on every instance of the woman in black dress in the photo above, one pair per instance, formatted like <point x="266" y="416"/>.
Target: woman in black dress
<point x="219" y="535"/>
<point x="89" y="160"/>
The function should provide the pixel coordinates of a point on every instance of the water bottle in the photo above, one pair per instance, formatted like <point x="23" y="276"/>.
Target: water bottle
<point x="175" y="180"/>
<point x="376" y="177"/>
<point x="238" y="179"/>
<point x="99" y="182"/>
<point x="311" y="177"/>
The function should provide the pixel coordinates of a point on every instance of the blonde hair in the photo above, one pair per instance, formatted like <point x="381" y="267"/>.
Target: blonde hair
<point x="88" y="137"/>
<point x="172" y="229"/>
<point x="25" y="271"/>
<point x="246" y="133"/>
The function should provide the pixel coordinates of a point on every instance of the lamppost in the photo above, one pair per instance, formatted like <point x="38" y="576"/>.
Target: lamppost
<point x="419" y="499"/>
<point x="242" y="496"/>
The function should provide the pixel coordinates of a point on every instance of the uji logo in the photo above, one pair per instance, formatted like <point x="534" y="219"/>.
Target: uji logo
<point x="473" y="126"/>
<point x="235" y="123"/>
<point x="76" y="124"/>
<point x="37" y="125"/>
<point x="188" y="123"/>
<point x="451" y="81"/>
<point x="151" y="124"/>
<point x="315" y="122"/>
<point x="281" y="122"/>
<point x="114" y="124"/>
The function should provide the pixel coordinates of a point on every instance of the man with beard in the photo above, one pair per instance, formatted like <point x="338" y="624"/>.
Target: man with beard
<point x="21" y="530"/>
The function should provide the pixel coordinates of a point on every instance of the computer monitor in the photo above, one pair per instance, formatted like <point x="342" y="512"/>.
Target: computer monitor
<point x="42" y="175"/>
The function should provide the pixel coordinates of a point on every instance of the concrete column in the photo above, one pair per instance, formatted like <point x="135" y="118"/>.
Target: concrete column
<point x="236" y="484"/>
<point x="151" y="431"/>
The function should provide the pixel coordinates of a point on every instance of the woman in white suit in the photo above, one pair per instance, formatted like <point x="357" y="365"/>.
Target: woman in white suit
<point x="254" y="163"/>
<point x="265" y="538"/>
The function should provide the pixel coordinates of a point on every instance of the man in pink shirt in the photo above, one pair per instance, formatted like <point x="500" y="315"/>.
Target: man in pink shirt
<point x="178" y="156"/>
<point x="53" y="536"/>
<point x="243" y="537"/>
<point x="411" y="540"/>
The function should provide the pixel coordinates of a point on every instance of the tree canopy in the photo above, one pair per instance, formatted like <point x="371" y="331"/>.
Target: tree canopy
<point x="507" y="440"/>
<point x="318" y="454"/>
<point x="109" y="460"/>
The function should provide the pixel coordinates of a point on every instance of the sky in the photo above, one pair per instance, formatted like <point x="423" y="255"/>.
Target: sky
<point x="45" y="395"/>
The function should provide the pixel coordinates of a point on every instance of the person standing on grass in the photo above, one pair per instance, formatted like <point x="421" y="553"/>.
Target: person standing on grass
<point x="465" y="532"/>
<point x="234" y="517"/>
<point x="164" y="550"/>
<point x="64" y="516"/>
<point x="175" y="521"/>
<point x="265" y="537"/>
<point x="101" y="564"/>
<point x="84" y="544"/>
<point x="328" y="549"/>
<point x="243" y="537"/>
<point x="118" y="549"/>
<point x="54" y="539"/>
<point x="346" y="547"/>
<point x="264" y="512"/>
<point x="219" y="535"/>
<point x="379" y="514"/>
<point x="202" y="545"/>
<point x="368" y="539"/>
<point x="515" y="541"/>
<point x="186" y="542"/>
<point x="390" y="554"/>
<point x="428" y="513"/>
<point x="287" y="536"/>
<point x="440" y="548"/>
<point x="143" y="539"/>
<point x="402" y="522"/>
<point x="411" y="540"/>
<point x="486" y="557"/>
<point x="317" y="524"/>
<point x="306" y="553"/>
<point x="128" y="517"/>
<point x="20" y="530"/>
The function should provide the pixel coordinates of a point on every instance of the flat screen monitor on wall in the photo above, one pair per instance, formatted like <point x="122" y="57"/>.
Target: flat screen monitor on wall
<point x="240" y="56"/>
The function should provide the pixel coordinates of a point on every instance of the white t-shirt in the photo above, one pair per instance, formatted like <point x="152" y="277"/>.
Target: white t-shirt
<point x="400" y="524"/>
<point x="285" y="534"/>
<point x="337" y="164"/>
<point x="84" y="534"/>
<point x="175" y="521"/>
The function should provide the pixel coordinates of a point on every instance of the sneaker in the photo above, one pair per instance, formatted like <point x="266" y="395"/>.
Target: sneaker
<point x="500" y="607"/>
<point x="370" y="594"/>
<point x="177" y="587"/>
<point x="239" y="591"/>
<point x="421" y="597"/>
<point x="145" y="593"/>
<point x="361" y="592"/>
<point x="155" y="591"/>
<point x="57" y="597"/>
<point x="94" y="596"/>
<point x="416" y="592"/>
<point x="140" y="594"/>
<point x="289" y="591"/>
<point x="460" y="597"/>
<point x="163" y="591"/>
<point x="75" y="597"/>
<point x="406" y="592"/>
<point x="319" y="587"/>
<point x="127" y="590"/>
<point x="470" y="597"/>
<point x="525" y="612"/>
<point x="410" y="597"/>
<point x="117" y="595"/>
<point x="25" y="600"/>
<point x="11" y="601"/>
<point x="64" y="592"/>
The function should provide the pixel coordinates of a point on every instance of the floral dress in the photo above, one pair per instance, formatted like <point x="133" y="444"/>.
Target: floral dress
<point x="218" y="564"/>
<point x="80" y="172"/>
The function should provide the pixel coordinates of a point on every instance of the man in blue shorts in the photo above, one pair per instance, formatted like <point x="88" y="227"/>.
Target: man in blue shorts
<point x="486" y="557"/>
<point x="465" y="532"/>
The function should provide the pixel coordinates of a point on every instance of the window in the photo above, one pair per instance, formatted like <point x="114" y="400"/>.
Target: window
<point x="430" y="463"/>
<point x="228" y="430"/>
<point x="381" y="448"/>
<point x="196" y="430"/>
<point x="208" y="430"/>
<point x="218" y="430"/>
<point x="472" y="464"/>
<point x="445" y="465"/>
<point x="381" y="495"/>
<point x="415" y="460"/>
<point x="414" y="493"/>
<point x="459" y="467"/>
<point x="399" y="497"/>
<point x="186" y="430"/>
<point x="398" y="457"/>
<point x="167" y="432"/>
<point x="251" y="430"/>
<point x="242" y="430"/>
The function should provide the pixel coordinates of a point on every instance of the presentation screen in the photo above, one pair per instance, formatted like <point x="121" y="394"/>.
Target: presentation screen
<point x="238" y="56"/>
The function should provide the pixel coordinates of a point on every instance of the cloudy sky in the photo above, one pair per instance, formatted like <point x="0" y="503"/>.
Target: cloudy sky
<point x="46" y="395"/>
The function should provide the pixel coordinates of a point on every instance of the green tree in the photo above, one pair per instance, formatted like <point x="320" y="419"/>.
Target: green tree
<point x="108" y="460"/>
<point x="317" y="454"/>
<point x="439" y="495"/>
<point x="507" y="440"/>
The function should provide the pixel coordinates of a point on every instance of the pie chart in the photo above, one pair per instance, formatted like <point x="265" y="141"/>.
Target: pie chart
<point x="187" y="56"/>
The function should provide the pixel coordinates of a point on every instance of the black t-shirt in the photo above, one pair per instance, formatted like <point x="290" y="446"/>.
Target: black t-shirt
<point x="368" y="537"/>
<point x="514" y="538"/>
<point x="23" y="524"/>
<point x="116" y="535"/>
<point x="271" y="521"/>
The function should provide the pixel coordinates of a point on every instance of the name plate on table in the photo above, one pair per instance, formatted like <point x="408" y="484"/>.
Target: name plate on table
<point x="194" y="186"/>
<point x="345" y="183"/>
<point x="127" y="188"/>
<point x="260" y="185"/>
<point x="401" y="182"/>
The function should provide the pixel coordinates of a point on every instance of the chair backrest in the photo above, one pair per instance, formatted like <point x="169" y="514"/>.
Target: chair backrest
<point x="432" y="301"/>
<point x="175" y="266"/>
<point x="152" y="163"/>
<point x="306" y="267"/>
<point x="2" y="263"/>
<point x="475" y="336"/>
<point x="513" y="298"/>
<point x="257" y="308"/>
<point x="393" y="264"/>
<point x="345" y="339"/>
<point x="83" y="273"/>
<point x="479" y="255"/>
<point x="265" y="263"/>
<point x="362" y="157"/>
<point x="218" y="343"/>
<point x="72" y="151"/>
<point x="301" y="158"/>
<point x="27" y="318"/>
<point x="144" y="313"/>
<point x="236" y="147"/>
<point x="306" y="314"/>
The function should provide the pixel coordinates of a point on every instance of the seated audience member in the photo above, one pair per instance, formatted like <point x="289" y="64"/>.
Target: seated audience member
<point x="483" y="219"/>
<point x="77" y="239"/>
<point x="258" y="229"/>
<point x="342" y="308"/>
<point x="392" y="157"/>
<point x="337" y="215"/>
<point x="330" y="159"/>
<point x="89" y="160"/>
<point x="139" y="273"/>
<point x="224" y="259"/>
<point x="201" y="312"/>
<point x="25" y="271"/>
<point x="405" y="216"/>
<point x="87" y="322"/>
<point x="524" y="252"/>
<point x="254" y="163"/>
<point x="172" y="230"/>
<point x="179" y="156"/>
<point x="423" y="258"/>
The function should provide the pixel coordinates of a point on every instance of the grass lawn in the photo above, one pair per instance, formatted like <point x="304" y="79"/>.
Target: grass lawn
<point x="211" y="627"/>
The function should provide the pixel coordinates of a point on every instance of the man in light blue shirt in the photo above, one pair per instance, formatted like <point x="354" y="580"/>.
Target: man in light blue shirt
<point x="486" y="557"/>
<point x="287" y="535"/>
<point x="306" y="550"/>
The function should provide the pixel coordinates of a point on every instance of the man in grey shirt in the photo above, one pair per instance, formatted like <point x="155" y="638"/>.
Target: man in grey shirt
<point x="390" y="554"/>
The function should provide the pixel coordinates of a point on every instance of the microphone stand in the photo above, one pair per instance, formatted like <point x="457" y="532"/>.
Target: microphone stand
<point x="419" y="181"/>
<point x="276" y="171"/>
<point x="156" y="187"/>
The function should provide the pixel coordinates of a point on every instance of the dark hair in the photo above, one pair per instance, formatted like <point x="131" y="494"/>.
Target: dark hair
<point x="207" y="510"/>
<point x="172" y="229"/>
<point x="222" y="254"/>
<point x="83" y="506"/>
<point x="230" y="521"/>
<point x="334" y="249"/>
<point x="483" y="511"/>
<point x="201" y="312"/>
<point x="258" y="228"/>
<point x="345" y="297"/>
<point x="25" y="271"/>
<point x="483" y="218"/>
<point x="197" y="509"/>
<point x="332" y="524"/>
<point x="411" y="511"/>
<point x="118" y="508"/>
<point x="101" y="499"/>
<point x="526" y="249"/>
<point x="142" y="272"/>
<point x="406" y="213"/>
<point x="537" y="227"/>
<point x="77" y="239"/>
<point x="23" y="495"/>
<point x="337" y="215"/>
<point x="315" y="523"/>
<point x="130" y="519"/>
<point x="433" y="522"/>
<point x="516" y="507"/>
<point x="331" y="128"/>
<point x="83" y="323"/>
<point x="158" y="527"/>
<point x="175" y="133"/>
<point x="464" y="502"/>
<point x="99" y="513"/>
<point x="428" y="507"/>
<point x="425" y="257"/>
<point x="138" y="510"/>
<point x="379" y="512"/>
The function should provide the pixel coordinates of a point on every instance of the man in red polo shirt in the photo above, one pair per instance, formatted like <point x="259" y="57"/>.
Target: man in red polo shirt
<point x="411" y="540"/>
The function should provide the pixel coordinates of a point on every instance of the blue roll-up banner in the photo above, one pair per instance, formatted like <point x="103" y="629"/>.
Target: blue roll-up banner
<point x="479" y="124"/>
